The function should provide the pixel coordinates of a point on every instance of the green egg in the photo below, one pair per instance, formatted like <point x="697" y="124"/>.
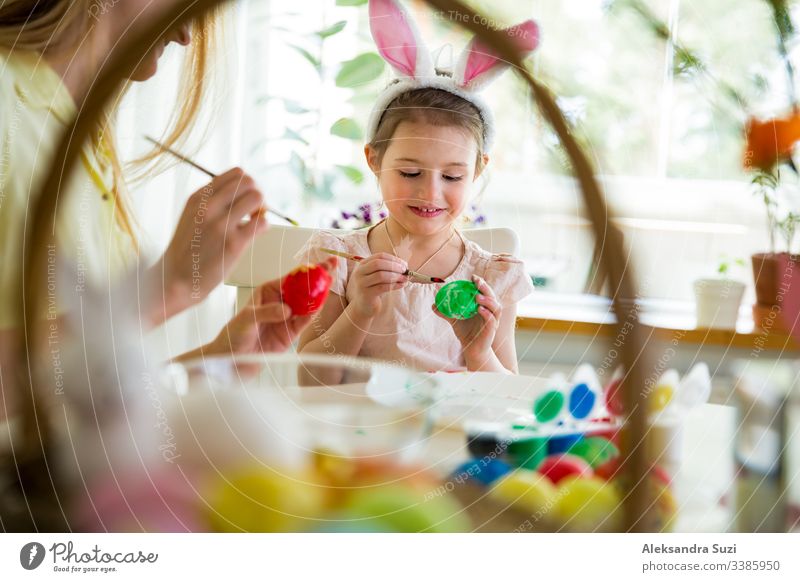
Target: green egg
<point x="456" y="300"/>
<point x="594" y="450"/>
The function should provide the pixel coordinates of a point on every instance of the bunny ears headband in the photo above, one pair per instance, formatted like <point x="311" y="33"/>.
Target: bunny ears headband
<point x="400" y="44"/>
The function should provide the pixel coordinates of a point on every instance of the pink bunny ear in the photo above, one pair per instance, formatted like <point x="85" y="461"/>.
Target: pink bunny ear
<point x="397" y="39"/>
<point x="479" y="64"/>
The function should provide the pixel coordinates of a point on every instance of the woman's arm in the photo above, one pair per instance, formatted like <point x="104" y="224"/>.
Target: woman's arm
<point x="212" y="233"/>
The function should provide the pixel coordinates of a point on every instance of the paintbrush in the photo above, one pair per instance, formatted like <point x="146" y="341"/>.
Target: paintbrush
<point x="408" y="272"/>
<point x="211" y="174"/>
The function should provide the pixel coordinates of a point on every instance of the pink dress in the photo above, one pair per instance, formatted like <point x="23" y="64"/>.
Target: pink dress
<point x="406" y="331"/>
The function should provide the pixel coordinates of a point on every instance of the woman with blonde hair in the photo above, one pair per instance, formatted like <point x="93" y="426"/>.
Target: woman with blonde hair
<point x="51" y="51"/>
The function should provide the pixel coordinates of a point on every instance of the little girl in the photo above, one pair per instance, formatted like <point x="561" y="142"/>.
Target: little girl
<point x="428" y="138"/>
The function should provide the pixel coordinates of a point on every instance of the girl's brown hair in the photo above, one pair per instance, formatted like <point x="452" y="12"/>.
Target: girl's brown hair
<point x="434" y="106"/>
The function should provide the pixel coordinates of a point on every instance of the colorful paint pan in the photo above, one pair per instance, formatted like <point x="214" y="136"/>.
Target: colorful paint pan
<point x="548" y="406"/>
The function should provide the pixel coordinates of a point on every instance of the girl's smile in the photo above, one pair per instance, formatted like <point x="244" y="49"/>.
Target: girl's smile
<point x="426" y="175"/>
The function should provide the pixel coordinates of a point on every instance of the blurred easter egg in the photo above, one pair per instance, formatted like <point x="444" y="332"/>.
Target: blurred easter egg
<point x="482" y="471"/>
<point x="587" y="504"/>
<point x="527" y="452"/>
<point x="265" y="500"/>
<point x="306" y="288"/>
<point x="611" y="468"/>
<point x="559" y="467"/>
<point x="162" y="501"/>
<point x="562" y="443"/>
<point x="662" y="508"/>
<point x="222" y="429"/>
<point x="528" y="490"/>
<point x="594" y="450"/>
<point x="456" y="300"/>
<point x="399" y="508"/>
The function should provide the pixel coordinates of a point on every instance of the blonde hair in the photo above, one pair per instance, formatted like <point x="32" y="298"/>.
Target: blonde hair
<point x="433" y="106"/>
<point x="40" y="25"/>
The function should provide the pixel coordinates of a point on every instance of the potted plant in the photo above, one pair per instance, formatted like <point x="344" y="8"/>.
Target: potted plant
<point x="718" y="298"/>
<point x="774" y="270"/>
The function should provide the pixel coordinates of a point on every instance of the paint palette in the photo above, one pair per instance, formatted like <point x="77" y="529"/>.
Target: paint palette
<point x="486" y="402"/>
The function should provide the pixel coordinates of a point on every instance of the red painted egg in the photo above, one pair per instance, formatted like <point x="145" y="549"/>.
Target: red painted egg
<point x="305" y="289"/>
<point x="557" y="467"/>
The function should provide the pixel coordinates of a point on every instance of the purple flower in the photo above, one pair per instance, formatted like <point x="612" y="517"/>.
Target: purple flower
<point x="335" y="224"/>
<point x="382" y="214"/>
<point x="346" y="214"/>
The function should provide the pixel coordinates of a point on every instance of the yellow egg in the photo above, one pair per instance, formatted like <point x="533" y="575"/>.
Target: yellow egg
<point x="527" y="490"/>
<point x="587" y="504"/>
<point x="265" y="500"/>
<point x="661" y="397"/>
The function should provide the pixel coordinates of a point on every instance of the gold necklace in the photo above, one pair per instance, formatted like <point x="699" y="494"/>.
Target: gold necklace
<point x="394" y="250"/>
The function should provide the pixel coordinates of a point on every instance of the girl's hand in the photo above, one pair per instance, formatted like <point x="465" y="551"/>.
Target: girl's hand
<point x="477" y="334"/>
<point x="208" y="240"/>
<point x="265" y="324"/>
<point x="372" y="278"/>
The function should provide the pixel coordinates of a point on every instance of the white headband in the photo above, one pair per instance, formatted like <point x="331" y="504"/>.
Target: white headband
<point x="400" y="44"/>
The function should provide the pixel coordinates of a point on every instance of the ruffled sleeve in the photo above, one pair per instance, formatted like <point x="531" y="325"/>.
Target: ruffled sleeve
<point x="312" y="253"/>
<point x="508" y="278"/>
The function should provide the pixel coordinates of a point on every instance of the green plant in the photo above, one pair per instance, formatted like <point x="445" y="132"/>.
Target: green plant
<point x="306" y="129"/>
<point x="728" y="264"/>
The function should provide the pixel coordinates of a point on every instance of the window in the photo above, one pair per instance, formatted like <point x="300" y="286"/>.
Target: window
<point x="667" y="148"/>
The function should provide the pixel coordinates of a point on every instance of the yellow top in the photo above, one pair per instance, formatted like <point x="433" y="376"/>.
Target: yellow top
<point x="35" y="109"/>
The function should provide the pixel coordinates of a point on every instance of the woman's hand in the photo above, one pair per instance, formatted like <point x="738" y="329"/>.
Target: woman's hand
<point x="210" y="237"/>
<point x="265" y="324"/>
<point x="371" y="279"/>
<point x="477" y="334"/>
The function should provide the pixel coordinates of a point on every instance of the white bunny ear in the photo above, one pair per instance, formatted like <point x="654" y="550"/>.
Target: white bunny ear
<point x="398" y="39"/>
<point x="479" y="64"/>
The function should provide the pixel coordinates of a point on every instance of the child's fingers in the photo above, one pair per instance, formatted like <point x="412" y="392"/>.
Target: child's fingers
<point x="373" y="264"/>
<point x="386" y="287"/>
<point x="488" y="317"/>
<point x="490" y="303"/>
<point x="483" y="286"/>
<point x="384" y="277"/>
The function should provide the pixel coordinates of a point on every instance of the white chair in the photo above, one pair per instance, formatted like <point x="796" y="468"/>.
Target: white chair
<point x="272" y="254"/>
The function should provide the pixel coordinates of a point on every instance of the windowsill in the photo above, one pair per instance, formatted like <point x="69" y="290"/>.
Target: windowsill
<point x="591" y="315"/>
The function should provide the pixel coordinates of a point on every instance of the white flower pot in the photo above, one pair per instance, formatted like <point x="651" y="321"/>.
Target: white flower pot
<point x="717" y="302"/>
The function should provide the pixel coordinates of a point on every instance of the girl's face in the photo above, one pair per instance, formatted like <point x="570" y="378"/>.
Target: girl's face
<point x="426" y="175"/>
<point x="128" y="16"/>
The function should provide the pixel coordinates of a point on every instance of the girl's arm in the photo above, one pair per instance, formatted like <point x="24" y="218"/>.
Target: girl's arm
<point x="503" y="357"/>
<point x="337" y="329"/>
<point x="340" y="327"/>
